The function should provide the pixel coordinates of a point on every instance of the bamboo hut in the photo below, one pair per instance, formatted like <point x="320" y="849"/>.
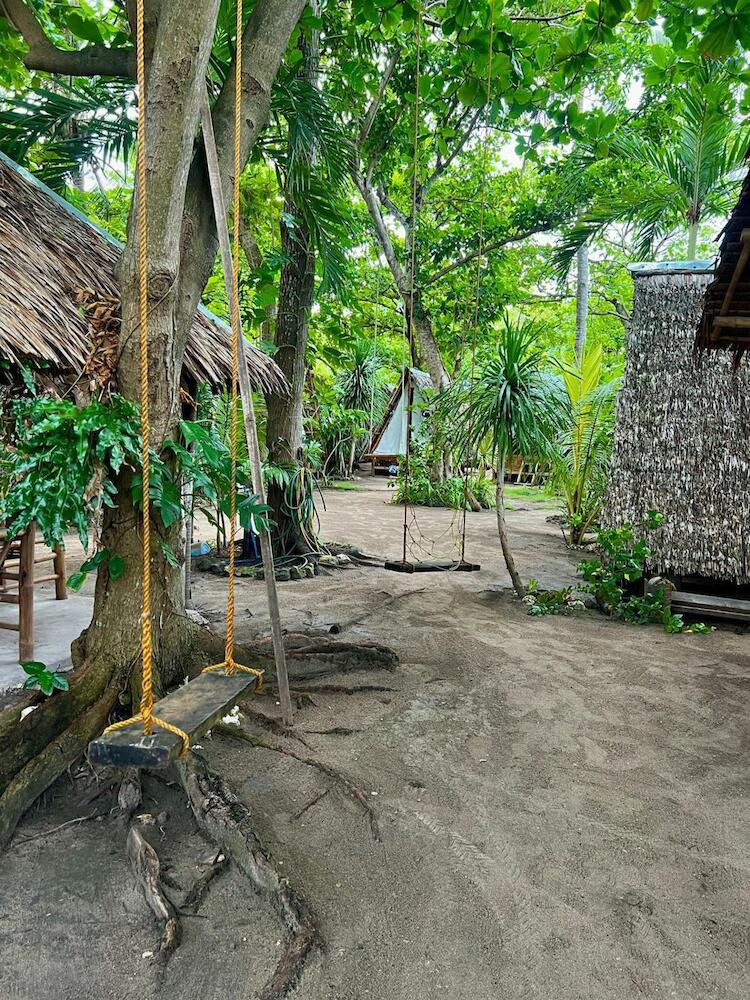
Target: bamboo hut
<point x="59" y="301"/>
<point x="681" y="437"/>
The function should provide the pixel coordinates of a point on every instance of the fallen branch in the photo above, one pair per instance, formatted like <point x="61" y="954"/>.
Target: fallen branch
<point x="226" y="820"/>
<point x="145" y="864"/>
<point x="348" y="786"/>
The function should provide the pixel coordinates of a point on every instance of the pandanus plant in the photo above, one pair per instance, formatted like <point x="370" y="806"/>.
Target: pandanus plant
<point x="509" y="402"/>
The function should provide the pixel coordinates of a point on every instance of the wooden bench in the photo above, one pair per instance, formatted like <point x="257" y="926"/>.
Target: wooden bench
<point x="18" y="561"/>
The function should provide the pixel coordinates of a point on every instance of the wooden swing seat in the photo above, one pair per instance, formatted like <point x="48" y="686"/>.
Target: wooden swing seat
<point x="432" y="566"/>
<point x="195" y="708"/>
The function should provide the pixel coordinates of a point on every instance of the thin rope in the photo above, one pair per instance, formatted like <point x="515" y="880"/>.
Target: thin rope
<point x="146" y="714"/>
<point x="480" y="260"/>
<point x="229" y="665"/>
<point x="372" y="392"/>
<point x="406" y="382"/>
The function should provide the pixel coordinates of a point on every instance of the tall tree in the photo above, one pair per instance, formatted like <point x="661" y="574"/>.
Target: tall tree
<point x="182" y="249"/>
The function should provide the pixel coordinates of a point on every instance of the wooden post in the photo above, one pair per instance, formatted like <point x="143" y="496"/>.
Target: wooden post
<point x="26" y="595"/>
<point x="248" y="410"/>
<point x="61" y="586"/>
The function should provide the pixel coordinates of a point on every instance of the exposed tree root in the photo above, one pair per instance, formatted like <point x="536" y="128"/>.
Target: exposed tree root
<point x="333" y="731"/>
<point x="348" y="786"/>
<point x="129" y="792"/>
<point x="342" y="688"/>
<point x="197" y="893"/>
<point x="311" y="656"/>
<point x="56" y="757"/>
<point x="271" y="724"/>
<point x="313" y="802"/>
<point x="145" y="864"/>
<point x="226" y="820"/>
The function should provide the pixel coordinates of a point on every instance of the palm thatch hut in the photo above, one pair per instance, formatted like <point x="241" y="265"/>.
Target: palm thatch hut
<point x="681" y="437"/>
<point x="59" y="301"/>
<point x="725" y="320"/>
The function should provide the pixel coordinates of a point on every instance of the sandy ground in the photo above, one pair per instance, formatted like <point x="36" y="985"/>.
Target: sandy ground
<point x="564" y="805"/>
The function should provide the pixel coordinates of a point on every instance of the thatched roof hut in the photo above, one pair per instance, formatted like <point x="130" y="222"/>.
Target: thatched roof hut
<point x="725" y="319"/>
<point x="681" y="438"/>
<point x="57" y="284"/>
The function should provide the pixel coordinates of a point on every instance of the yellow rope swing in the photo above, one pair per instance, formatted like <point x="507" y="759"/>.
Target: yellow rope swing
<point x="229" y="665"/>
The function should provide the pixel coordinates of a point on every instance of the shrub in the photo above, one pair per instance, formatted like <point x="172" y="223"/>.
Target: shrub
<point x="611" y="579"/>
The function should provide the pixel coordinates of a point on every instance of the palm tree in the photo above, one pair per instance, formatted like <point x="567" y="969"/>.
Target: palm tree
<point x="674" y="182"/>
<point x="506" y="403"/>
<point x="581" y="460"/>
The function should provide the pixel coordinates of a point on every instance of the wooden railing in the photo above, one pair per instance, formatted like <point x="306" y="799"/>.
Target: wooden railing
<point x="19" y="558"/>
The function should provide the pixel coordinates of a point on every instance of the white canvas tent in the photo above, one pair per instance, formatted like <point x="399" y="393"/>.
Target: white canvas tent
<point x="390" y="438"/>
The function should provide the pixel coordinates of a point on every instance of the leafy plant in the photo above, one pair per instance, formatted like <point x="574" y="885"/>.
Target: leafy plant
<point x="581" y="458"/>
<point x="611" y="579"/>
<point x="551" y="602"/>
<point x="66" y="459"/>
<point x="43" y="679"/>
<point x="505" y="403"/>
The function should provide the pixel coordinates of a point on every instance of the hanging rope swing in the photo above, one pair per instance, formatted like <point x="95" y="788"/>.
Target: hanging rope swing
<point x="410" y="522"/>
<point x="149" y="739"/>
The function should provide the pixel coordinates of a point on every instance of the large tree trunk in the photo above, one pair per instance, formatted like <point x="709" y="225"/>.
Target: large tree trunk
<point x="502" y="531"/>
<point x="296" y="288"/>
<point x="182" y="250"/>
<point x="284" y="421"/>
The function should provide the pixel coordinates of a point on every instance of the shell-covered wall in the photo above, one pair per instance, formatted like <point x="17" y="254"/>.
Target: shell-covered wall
<point x="682" y="435"/>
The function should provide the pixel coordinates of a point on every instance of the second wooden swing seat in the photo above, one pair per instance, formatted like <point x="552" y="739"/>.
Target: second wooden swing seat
<point x="432" y="566"/>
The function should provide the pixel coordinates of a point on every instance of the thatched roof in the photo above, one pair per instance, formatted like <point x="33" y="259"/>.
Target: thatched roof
<point x="681" y="437"/>
<point x="50" y="256"/>
<point x="725" y="321"/>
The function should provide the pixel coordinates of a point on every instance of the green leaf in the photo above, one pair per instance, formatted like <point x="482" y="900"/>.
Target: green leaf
<point x="644" y="9"/>
<point x="169" y="554"/>
<point x="77" y="580"/>
<point x="60" y="681"/>
<point x="30" y="683"/>
<point x="46" y="682"/>
<point x="83" y="28"/>
<point x="33" y="667"/>
<point x="116" y="567"/>
<point x="95" y="561"/>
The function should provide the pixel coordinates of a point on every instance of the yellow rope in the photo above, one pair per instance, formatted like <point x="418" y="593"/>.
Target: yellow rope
<point x="229" y="665"/>
<point x="146" y="713"/>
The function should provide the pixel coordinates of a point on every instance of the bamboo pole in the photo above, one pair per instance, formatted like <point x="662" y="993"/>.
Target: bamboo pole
<point x="248" y="411"/>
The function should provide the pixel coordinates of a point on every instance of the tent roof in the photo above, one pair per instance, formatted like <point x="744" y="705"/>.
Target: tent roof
<point x="50" y="253"/>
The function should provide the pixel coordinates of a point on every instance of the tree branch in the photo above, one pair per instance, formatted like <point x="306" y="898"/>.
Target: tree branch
<point x="442" y="165"/>
<point x="497" y="245"/>
<point x="390" y="206"/>
<point x="381" y="232"/>
<point x="264" y="42"/>
<point x="44" y="55"/>
<point x="375" y="103"/>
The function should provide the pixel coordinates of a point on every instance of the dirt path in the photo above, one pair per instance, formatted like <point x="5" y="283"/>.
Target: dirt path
<point x="564" y="806"/>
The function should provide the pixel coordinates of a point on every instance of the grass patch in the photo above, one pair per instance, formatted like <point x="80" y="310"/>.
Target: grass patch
<point x="344" y="485"/>
<point x="533" y="494"/>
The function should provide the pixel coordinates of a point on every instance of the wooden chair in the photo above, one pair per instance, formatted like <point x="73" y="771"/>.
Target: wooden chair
<point x="18" y="562"/>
